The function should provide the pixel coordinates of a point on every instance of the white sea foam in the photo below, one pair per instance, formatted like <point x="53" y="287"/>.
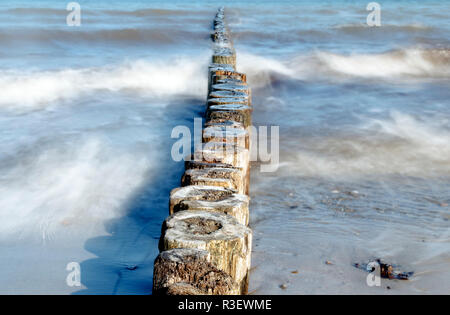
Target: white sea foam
<point x="391" y="65"/>
<point x="39" y="89"/>
<point x="183" y="76"/>
<point x="402" y="65"/>
<point x="398" y="145"/>
<point x="68" y="186"/>
<point x="259" y="68"/>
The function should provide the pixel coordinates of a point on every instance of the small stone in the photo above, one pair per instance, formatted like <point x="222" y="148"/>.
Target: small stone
<point x="327" y="262"/>
<point x="294" y="272"/>
<point x="353" y="193"/>
<point x="283" y="286"/>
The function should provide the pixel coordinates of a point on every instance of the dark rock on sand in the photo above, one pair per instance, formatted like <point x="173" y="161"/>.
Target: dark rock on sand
<point x="387" y="271"/>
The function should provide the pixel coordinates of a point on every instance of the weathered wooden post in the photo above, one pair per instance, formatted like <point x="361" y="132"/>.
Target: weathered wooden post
<point x="224" y="55"/>
<point x="205" y="244"/>
<point x="189" y="271"/>
<point x="225" y="112"/>
<point x="228" y="242"/>
<point x="210" y="198"/>
<point x="215" y="176"/>
<point x="222" y="133"/>
<point x="228" y="75"/>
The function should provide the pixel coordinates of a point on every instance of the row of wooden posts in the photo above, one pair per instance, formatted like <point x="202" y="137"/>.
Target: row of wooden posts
<point x="205" y="245"/>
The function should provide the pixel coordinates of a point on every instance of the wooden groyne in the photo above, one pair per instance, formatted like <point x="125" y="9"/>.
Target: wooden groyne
<point x="205" y="244"/>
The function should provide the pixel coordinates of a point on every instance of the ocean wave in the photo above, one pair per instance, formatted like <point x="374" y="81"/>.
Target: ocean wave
<point x="399" y="145"/>
<point x="144" y="12"/>
<point x="295" y="34"/>
<point x="154" y="35"/>
<point x="357" y="28"/>
<point x="68" y="185"/>
<point x="155" y="12"/>
<point x="186" y="76"/>
<point x="262" y="71"/>
<point x="402" y="65"/>
<point x="37" y="11"/>
<point x="33" y="90"/>
<point x="407" y="63"/>
<point x="255" y="37"/>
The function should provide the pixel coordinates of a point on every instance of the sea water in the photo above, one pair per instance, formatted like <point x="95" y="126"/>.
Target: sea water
<point x="86" y="114"/>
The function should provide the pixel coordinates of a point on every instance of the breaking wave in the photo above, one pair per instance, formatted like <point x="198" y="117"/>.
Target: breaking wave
<point x="408" y="63"/>
<point x="68" y="185"/>
<point x="401" y="65"/>
<point x="182" y="76"/>
<point x="400" y="145"/>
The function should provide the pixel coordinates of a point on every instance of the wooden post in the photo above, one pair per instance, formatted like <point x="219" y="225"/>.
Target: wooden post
<point x="189" y="271"/>
<point x="228" y="94"/>
<point x="239" y="87"/>
<point x="226" y="153"/>
<point x="231" y="87"/>
<point x="228" y="242"/>
<point x="235" y="112"/>
<point x="227" y="100"/>
<point x="222" y="133"/>
<point x="196" y="192"/>
<point x="180" y="288"/>
<point x="215" y="176"/>
<point x="217" y="67"/>
<point x="225" y="55"/>
<point x="195" y="164"/>
<point x="210" y="198"/>
<point x="219" y="74"/>
<point x="205" y="245"/>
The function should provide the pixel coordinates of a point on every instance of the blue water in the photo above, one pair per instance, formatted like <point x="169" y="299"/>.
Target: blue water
<point x="86" y="115"/>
